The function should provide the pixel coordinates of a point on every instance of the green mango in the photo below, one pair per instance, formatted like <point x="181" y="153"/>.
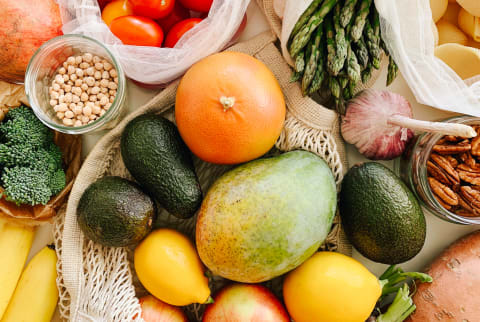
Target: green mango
<point x="266" y="217"/>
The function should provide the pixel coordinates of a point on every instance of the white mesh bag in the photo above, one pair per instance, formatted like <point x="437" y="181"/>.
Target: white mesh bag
<point x="153" y="65"/>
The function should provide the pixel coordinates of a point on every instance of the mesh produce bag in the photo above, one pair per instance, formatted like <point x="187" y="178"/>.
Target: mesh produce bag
<point x="152" y="65"/>
<point x="97" y="283"/>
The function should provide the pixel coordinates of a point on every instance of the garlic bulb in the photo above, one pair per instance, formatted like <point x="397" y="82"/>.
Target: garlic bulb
<point x="380" y="124"/>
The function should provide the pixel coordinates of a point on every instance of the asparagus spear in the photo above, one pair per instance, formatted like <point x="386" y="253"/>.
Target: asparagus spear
<point x="300" y="62"/>
<point x="301" y="39"/>
<point x="334" y="86"/>
<point x="295" y="76"/>
<point x="340" y="105"/>
<point x="360" y="19"/>
<point x="306" y="15"/>
<point x="373" y="45"/>
<point x="340" y="39"/>
<point x="334" y="65"/>
<point x="392" y="70"/>
<point x="317" y="81"/>
<point x="353" y="68"/>
<point x="347" y="12"/>
<point x="367" y="73"/>
<point x="312" y="63"/>
<point x="362" y="53"/>
<point x="343" y="81"/>
<point x="347" y="93"/>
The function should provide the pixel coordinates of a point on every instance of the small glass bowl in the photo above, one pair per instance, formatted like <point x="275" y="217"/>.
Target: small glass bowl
<point x="41" y="71"/>
<point x="412" y="167"/>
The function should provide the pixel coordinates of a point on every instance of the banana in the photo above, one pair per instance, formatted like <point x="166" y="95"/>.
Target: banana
<point x="15" y="244"/>
<point x="36" y="295"/>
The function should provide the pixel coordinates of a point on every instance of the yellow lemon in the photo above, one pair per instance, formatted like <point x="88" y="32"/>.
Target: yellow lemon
<point x="331" y="287"/>
<point x="168" y="266"/>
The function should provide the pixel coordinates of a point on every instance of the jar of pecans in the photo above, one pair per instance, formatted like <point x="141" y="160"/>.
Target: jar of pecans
<point x="444" y="173"/>
<point x="75" y="85"/>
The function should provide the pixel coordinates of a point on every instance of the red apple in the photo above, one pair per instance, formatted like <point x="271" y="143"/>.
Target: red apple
<point x="154" y="310"/>
<point x="245" y="303"/>
<point x="26" y="25"/>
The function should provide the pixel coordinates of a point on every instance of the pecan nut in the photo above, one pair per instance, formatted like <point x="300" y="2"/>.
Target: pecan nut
<point x="443" y="192"/>
<point x="472" y="197"/>
<point x="476" y="146"/>
<point x="452" y="160"/>
<point x="470" y="177"/>
<point x="451" y="148"/>
<point x="447" y="168"/>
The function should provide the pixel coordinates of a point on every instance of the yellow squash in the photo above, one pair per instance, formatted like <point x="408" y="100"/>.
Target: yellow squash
<point x="15" y="244"/>
<point x="36" y="295"/>
<point x="168" y="266"/>
<point x="331" y="287"/>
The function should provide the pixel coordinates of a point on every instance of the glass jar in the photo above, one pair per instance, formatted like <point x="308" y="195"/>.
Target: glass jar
<point x="42" y="69"/>
<point x="412" y="167"/>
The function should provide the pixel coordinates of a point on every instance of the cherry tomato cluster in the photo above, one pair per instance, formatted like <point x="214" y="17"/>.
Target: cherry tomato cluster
<point x="152" y="22"/>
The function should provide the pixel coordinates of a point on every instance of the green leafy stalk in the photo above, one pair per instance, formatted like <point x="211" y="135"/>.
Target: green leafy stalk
<point x="360" y="19"/>
<point x="305" y="17"/>
<point x="347" y="12"/>
<point x="301" y="39"/>
<point x="311" y="67"/>
<point x="401" y="307"/>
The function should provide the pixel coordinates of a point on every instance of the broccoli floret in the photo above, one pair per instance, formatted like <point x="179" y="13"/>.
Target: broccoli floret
<point x="26" y="186"/>
<point x="32" y="163"/>
<point x="57" y="181"/>
<point x="21" y="126"/>
<point x="21" y="154"/>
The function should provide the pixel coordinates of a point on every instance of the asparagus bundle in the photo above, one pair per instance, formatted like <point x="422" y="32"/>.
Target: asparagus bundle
<point x="336" y="44"/>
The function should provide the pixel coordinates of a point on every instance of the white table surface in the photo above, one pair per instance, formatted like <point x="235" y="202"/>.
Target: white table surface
<point x="439" y="233"/>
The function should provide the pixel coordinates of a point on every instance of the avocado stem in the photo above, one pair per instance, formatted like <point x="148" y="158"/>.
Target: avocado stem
<point x="227" y="102"/>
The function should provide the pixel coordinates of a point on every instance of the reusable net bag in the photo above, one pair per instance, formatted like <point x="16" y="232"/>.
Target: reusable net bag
<point x="407" y="30"/>
<point x="97" y="283"/>
<point x="153" y="65"/>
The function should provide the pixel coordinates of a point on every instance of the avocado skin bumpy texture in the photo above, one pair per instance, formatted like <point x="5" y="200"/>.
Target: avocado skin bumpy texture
<point x="380" y="215"/>
<point x="161" y="163"/>
<point x="115" y="212"/>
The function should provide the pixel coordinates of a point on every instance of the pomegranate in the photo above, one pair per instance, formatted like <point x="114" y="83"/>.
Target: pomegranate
<point x="26" y="26"/>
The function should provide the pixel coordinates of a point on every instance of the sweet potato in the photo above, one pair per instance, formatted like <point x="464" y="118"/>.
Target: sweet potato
<point x="454" y="294"/>
<point x="26" y="25"/>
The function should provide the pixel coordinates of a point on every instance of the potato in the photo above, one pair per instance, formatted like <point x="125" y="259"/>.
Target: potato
<point x="469" y="24"/>
<point x="449" y="33"/>
<point x="451" y="15"/>
<point x="438" y="8"/>
<point x="472" y="6"/>
<point x="454" y="294"/>
<point x="465" y="61"/>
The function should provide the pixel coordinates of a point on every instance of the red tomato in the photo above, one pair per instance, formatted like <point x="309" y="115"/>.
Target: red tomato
<point x="178" y="14"/>
<point x="154" y="9"/>
<point x="116" y="9"/>
<point x="178" y="30"/>
<point x="197" y="5"/>
<point x="138" y="31"/>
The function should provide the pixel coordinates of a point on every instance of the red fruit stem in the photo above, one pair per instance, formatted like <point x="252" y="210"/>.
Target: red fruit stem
<point x="444" y="128"/>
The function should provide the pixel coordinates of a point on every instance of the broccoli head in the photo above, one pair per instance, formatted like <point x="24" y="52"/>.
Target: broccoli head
<point x="32" y="163"/>
<point x="26" y="186"/>
<point x="22" y="126"/>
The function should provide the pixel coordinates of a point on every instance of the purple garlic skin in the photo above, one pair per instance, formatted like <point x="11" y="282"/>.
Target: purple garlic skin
<point x="366" y="125"/>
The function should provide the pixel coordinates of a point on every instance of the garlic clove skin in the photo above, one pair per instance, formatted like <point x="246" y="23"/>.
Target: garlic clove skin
<point x="366" y="125"/>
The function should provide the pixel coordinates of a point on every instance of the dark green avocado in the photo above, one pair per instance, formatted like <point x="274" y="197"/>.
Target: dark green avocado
<point x="115" y="212"/>
<point x="160" y="162"/>
<point x="380" y="215"/>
